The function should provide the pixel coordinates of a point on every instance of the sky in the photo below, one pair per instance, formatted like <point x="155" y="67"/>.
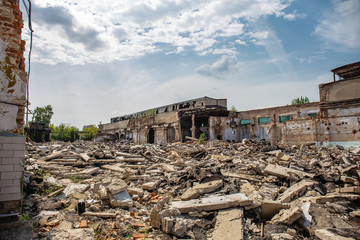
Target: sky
<point x="93" y="60"/>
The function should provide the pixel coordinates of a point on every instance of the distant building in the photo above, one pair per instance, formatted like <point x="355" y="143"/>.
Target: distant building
<point x="333" y="120"/>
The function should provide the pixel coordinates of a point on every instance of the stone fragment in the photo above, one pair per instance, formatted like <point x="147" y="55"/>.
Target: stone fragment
<point x="200" y="189"/>
<point x="179" y="229"/>
<point x="83" y="224"/>
<point x="116" y="187"/>
<point x="229" y="224"/>
<point x="150" y="186"/>
<point x="75" y="188"/>
<point x="84" y="157"/>
<point x="348" y="190"/>
<point x="167" y="223"/>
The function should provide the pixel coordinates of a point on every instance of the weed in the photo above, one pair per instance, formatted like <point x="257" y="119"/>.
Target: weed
<point x="25" y="217"/>
<point x="75" y="179"/>
<point x="202" y="138"/>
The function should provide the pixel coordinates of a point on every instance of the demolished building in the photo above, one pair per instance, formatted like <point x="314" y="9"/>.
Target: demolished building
<point x="335" y="119"/>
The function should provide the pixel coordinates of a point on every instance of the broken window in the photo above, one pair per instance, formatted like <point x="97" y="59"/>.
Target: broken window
<point x="264" y="120"/>
<point x="314" y="115"/>
<point x="245" y="121"/>
<point x="284" y="118"/>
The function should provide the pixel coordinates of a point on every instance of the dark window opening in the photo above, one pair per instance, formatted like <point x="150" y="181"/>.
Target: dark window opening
<point x="151" y="137"/>
<point x="185" y="124"/>
<point x="201" y="126"/>
<point x="170" y="134"/>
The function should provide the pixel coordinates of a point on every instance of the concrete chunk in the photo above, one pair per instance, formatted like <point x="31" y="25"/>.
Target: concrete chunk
<point x="294" y="190"/>
<point x="287" y="216"/>
<point x="229" y="224"/>
<point x="325" y="234"/>
<point x="212" y="203"/>
<point x="200" y="189"/>
<point x="284" y="172"/>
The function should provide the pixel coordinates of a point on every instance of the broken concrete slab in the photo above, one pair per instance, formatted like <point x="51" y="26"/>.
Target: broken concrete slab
<point x="348" y="190"/>
<point x="100" y="214"/>
<point x="84" y="157"/>
<point x="326" y="234"/>
<point x="295" y="190"/>
<point x="229" y="224"/>
<point x="200" y="189"/>
<point x="270" y="208"/>
<point x="284" y="172"/>
<point x="212" y="203"/>
<point x="51" y="156"/>
<point x="287" y="216"/>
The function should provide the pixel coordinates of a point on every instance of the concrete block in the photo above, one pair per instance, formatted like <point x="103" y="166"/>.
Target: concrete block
<point x="12" y="139"/>
<point x="14" y="146"/>
<point x="6" y="168"/>
<point x="19" y="153"/>
<point x="18" y="168"/>
<point x="6" y="154"/>
<point x="200" y="189"/>
<point x="7" y="190"/>
<point x="11" y="175"/>
<point x="10" y="197"/>
<point x="10" y="160"/>
<point x="9" y="182"/>
<point x="294" y="190"/>
<point x="229" y="224"/>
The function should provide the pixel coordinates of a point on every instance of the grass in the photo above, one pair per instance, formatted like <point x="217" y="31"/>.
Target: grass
<point x="75" y="179"/>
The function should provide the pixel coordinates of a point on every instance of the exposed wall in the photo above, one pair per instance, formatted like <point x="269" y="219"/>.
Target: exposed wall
<point x="340" y="90"/>
<point x="12" y="106"/>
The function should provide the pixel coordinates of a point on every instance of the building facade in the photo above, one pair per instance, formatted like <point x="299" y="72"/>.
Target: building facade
<point x="335" y="119"/>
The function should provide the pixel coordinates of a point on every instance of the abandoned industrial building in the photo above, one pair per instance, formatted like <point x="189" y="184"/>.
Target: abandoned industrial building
<point x="334" y="119"/>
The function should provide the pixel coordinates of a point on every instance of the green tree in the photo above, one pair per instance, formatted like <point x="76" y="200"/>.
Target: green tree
<point x="90" y="132"/>
<point x="64" y="133"/>
<point x="43" y="115"/>
<point x="233" y="109"/>
<point x="300" y="100"/>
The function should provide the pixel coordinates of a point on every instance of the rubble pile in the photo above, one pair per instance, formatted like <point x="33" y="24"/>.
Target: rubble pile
<point x="217" y="190"/>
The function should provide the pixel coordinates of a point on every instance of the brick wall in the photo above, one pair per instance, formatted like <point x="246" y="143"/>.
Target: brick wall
<point x="13" y="80"/>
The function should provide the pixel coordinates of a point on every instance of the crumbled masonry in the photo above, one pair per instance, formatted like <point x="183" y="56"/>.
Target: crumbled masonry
<point x="217" y="190"/>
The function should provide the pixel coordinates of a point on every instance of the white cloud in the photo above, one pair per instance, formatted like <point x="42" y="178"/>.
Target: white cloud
<point x="340" y="28"/>
<point x="88" y="31"/>
<point x="294" y="15"/>
<point x="225" y="65"/>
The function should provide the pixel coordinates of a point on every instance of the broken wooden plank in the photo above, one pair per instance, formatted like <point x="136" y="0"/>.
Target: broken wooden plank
<point x="285" y="172"/>
<point x="57" y="192"/>
<point x="51" y="156"/>
<point x="229" y="224"/>
<point x="128" y="155"/>
<point x="135" y="160"/>
<point x="212" y="203"/>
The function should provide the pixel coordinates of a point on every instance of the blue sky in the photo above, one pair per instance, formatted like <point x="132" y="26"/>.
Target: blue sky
<point x="93" y="60"/>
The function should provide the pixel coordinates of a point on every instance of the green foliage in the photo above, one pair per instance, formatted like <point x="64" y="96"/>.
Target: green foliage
<point x="75" y="179"/>
<point x="300" y="100"/>
<point x="90" y="132"/>
<point x="64" y="133"/>
<point x="43" y="115"/>
<point x="233" y="109"/>
<point x="25" y="217"/>
<point x="202" y="138"/>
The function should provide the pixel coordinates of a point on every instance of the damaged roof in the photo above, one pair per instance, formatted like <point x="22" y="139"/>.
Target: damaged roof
<point x="348" y="71"/>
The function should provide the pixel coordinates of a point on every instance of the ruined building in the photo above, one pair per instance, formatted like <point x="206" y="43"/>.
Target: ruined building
<point x="335" y="119"/>
<point x="13" y="80"/>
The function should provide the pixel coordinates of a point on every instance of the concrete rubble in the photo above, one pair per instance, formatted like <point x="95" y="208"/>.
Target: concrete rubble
<point x="216" y="190"/>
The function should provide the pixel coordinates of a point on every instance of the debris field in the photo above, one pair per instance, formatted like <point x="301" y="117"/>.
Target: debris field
<point x="217" y="190"/>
